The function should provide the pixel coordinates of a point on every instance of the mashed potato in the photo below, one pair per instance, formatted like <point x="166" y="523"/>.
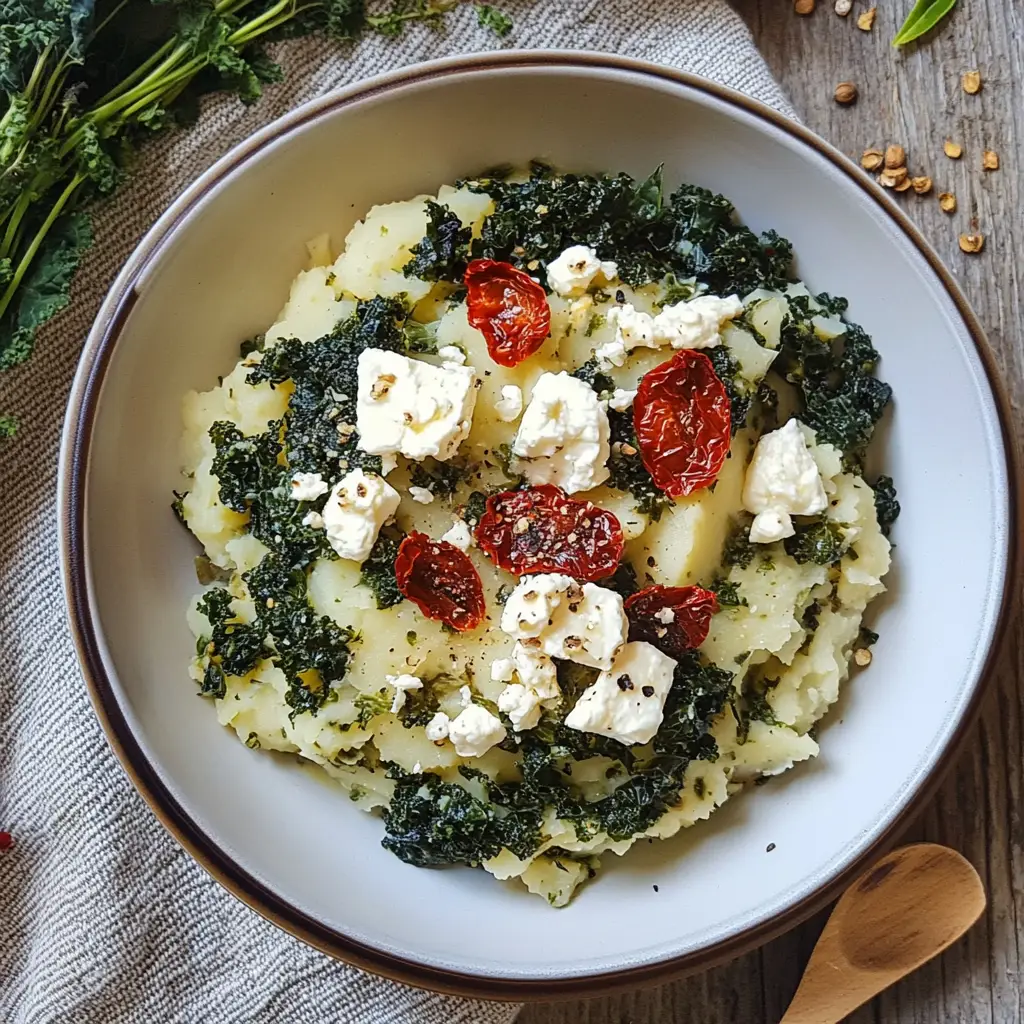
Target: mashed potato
<point x="785" y="631"/>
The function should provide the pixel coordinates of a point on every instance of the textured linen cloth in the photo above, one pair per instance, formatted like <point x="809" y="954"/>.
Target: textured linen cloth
<point x="103" y="918"/>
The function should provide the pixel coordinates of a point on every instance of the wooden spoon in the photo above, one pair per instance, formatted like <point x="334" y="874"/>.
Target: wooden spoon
<point x="909" y="907"/>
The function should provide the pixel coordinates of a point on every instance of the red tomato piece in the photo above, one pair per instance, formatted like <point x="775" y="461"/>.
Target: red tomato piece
<point x="673" y="619"/>
<point x="441" y="581"/>
<point x="509" y="309"/>
<point x="682" y="418"/>
<point x="542" y="529"/>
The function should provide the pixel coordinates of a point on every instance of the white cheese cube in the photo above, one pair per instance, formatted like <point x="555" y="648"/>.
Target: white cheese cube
<point x="537" y="687"/>
<point x="474" y="731"/>
<point x="552" y="613"/>
<point x="412" y="408"/>
<point x="783" y="480"/>
<point x="460" y="535"/>
<point x="573" y="271"/>
<point x="308" y="486"/>
<point x="402" y="684"/>
<point x="359" y="505"/>
<point x="563" y="437"/>
<point x="627" y="702"/>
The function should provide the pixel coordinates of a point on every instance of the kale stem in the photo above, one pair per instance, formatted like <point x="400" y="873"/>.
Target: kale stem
<point x="140" y="72"/>
<point x="30" y="253"/>
<point x="17" y="214"/>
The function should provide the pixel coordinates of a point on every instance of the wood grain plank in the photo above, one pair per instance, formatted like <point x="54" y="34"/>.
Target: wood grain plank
<point x="914" y="98"/>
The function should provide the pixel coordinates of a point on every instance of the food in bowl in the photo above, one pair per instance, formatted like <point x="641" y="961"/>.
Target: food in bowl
<point x="538" y="519"/>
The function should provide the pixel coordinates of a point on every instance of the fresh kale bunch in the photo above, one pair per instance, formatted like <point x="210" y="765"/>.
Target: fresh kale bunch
<point x="84" y="82"/>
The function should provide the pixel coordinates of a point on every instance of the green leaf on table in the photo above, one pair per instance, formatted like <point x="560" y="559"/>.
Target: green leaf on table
<point x="924" y="16"/>
<point x="497" y="21"/>
<point x="44" y="292"/>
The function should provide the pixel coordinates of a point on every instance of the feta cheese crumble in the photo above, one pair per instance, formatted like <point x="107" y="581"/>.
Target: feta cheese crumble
<point x="308" y="486"/>
<point x="573" y="271"/>
<point x="782" y="480"/>
<point x="452" y="354"/>
<point x="563" y="438"/>
<point x="402" y="684"/>
<point x="474" y="731"/>
<point x="437" y="728"/>
<point x="693" y="323"/>
<point x="421" y="494"/>
<point x="412" y="408"/>
<point x="536" y="689"/>
<point x="621" y="399"/>
<point x="627" y="702"/>
<point x="510" y="406"/>
<point x="552" y="613"/>
<point x="359" y="505"/>
<point x="460" y="535"/>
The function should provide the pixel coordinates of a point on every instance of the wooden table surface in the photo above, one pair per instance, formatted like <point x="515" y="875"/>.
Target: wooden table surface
<point x="915" y="99"/>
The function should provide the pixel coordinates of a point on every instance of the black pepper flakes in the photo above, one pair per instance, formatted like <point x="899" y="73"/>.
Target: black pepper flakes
<point x="624" y="683"/>
<point x="648" y="691"/>
<point x="770" y="847"/>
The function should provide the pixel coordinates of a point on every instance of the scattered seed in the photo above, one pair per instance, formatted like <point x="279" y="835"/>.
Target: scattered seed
<point x="973" y="242"/>
<point x="871" y="159"/>
<point x="971" y="81"/>
<point x="862" y="656"/>
<point x="895" y="156"/>
<point x="804" y="6"/>
<point x="990" y="160"/>
<point x="892" y="177"/>
<point x="903" y="185"/>
<point x="866" y="20"/>
<point x="947" y="202"/>
<point x="846" y="94"/>
<point x="922" y="185"/>
<point x="843" y="7"/>
<point x="953" y="149"/>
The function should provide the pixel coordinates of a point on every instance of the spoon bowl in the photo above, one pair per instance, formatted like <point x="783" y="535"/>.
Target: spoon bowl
<point x="898" y="915"/>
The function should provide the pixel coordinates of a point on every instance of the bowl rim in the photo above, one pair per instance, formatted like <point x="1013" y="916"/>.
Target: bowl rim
<point x="84" y="624"/>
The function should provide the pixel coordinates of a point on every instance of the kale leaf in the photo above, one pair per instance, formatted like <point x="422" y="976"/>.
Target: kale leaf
<point x="822" y="542"/>
<point x="727" y="593"/>
<point x="441" y="254"/>
<point x="887" y="508"/>
<point x="378" y="571"/>
<point x="626" y="468"/>
<point x="738" y="549"/>
<point x="741" y="396"/>
<point x="497" y="21"/>
<point x="233" y="648"/>
<point x="440" y="478"/>
<point x="311" y="650"/>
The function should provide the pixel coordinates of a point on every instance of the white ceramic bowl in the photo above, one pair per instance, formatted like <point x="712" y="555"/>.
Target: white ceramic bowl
<point x="216" y="268"/>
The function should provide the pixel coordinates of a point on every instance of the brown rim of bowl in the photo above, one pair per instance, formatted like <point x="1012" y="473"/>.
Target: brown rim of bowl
<point x="74" y="459"/>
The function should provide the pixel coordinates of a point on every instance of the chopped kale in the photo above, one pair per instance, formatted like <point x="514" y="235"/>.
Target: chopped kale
<point x="626" y="468"/>
<point x="378" y="571"/>
<point x="311" y="650"/>
<point x="741" y="396"/>
<point x="369" y="705"/>
<point x="244" y="466"/>
<point x="822" y="542"/>
<point x="691" y="235"/>
<point x="430" y="822"/>
<point x="421" y="705"/>
<point x="727" y="592"/>
<point x="441" y="254"/>
<point x="865" y="638"/>
<point x="675" y="290"/>
<point x="419" y="337"/>
<point x="738" y="550"/>
<point x="321" y="436"/>
<point x="233" y="648"/>
<point x="842" y="399"/>
<point x="887" y="508"/>
<point x="591" y="375"/>
<point x="474" y="508"/>
<point x="440" y="478"/>
<point x="254" y="344"/>
<point x="622" y="581"/>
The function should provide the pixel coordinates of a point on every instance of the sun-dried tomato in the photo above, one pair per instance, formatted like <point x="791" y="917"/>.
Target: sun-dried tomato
<point x="673" y="619"/>
<point x="441" y="581"/>
<point x="682" y="419"/>
<point x="6" y="840"/>
<point x="542" y="529"/>
<point x="509" y="309"/>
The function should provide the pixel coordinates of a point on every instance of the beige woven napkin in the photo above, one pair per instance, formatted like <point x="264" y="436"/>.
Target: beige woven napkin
<point x="103" y="918"/>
